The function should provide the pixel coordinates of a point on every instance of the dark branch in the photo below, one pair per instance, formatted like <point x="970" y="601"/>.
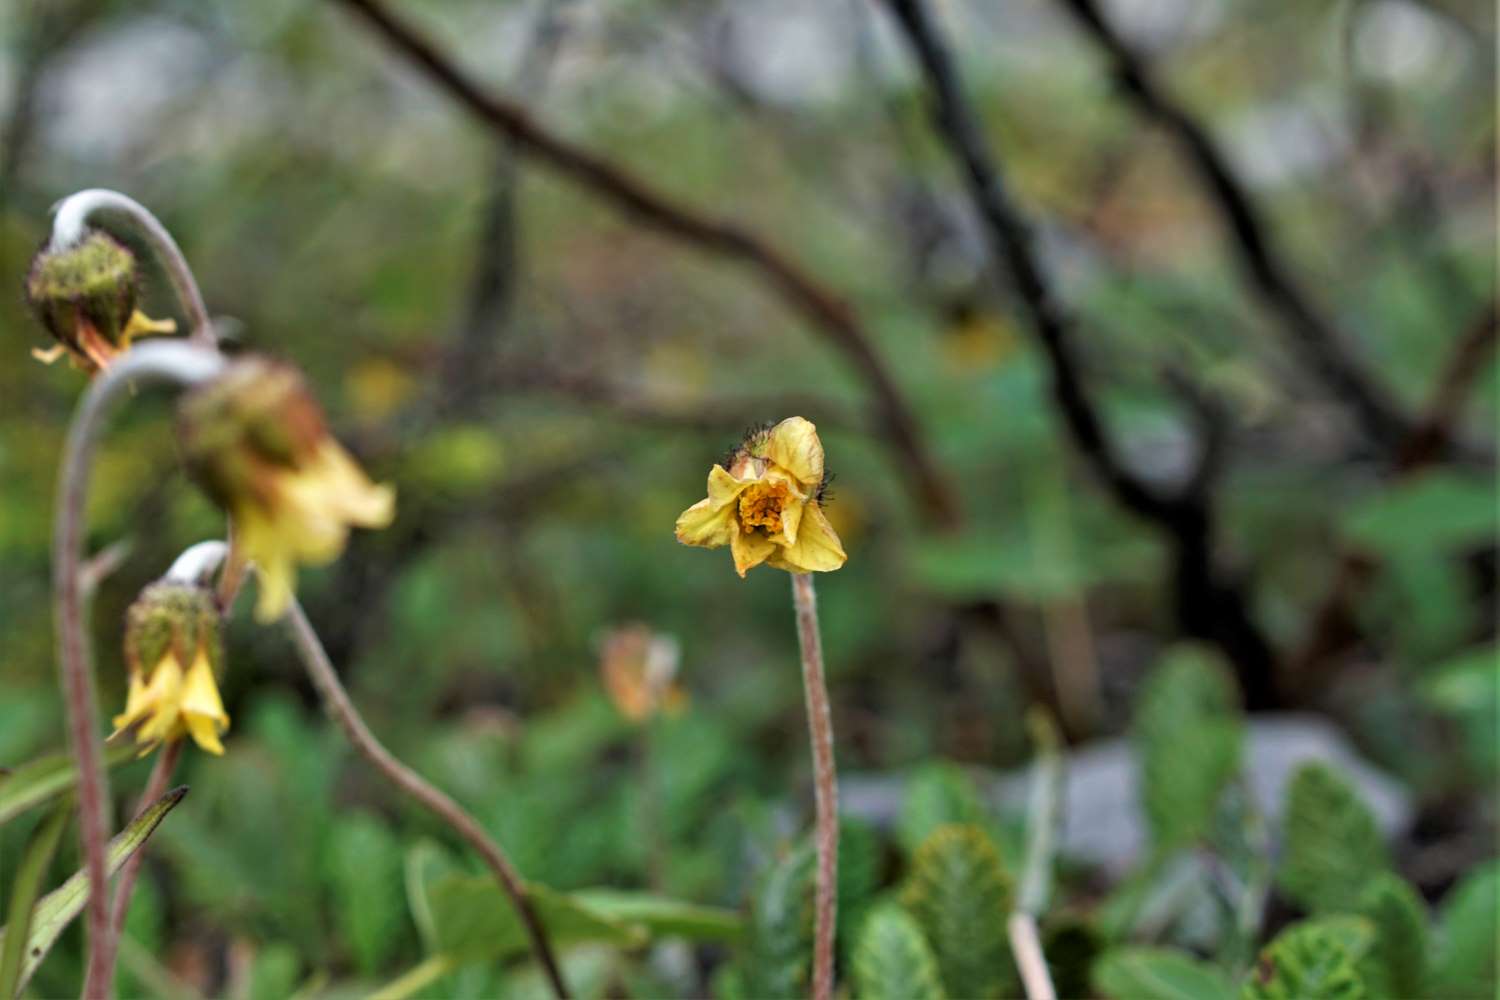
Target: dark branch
<point x="1320" y="344"/>
<point x="1208" y="606"/>
<point x="634" y="196"/>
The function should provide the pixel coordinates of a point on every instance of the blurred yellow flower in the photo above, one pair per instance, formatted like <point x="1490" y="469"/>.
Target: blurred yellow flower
<point x="767" y="505"/>
<point x="639" y="669"/>
<point x="172" y="648"/>
<point x="85" y="296"/>
<point x="257" y="443"/>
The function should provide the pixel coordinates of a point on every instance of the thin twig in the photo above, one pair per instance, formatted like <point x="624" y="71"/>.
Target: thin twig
<point x="826" y="310"/>
<point x="167" y="361"/>
<point x="825" y="782"/>
<point x="1043" y="821"/>
<point x="156" y="787"/>
<point x="1208" y="605"/>
<point x="337" y="701"/>
<point x="1314" y="335"/>
<point x="97" y="207"/>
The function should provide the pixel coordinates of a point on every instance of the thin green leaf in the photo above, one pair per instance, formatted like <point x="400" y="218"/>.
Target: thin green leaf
<point x="28" y="882"/>
<point x="58" y="908"/>
<point x="38" y="781"/>
<point x="663" y="917"/>
<point x="1158" y="974"/>
<point x="473" y="919"/>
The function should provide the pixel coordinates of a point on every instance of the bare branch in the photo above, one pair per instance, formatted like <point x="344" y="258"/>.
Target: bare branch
<point x="826" y="310"/>
<point x="1208" y="605"/>
<point x="1314" y="336"/>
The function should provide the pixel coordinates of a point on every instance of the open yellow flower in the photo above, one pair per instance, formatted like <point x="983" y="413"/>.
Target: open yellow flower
<point x="173" y="650"/>
<point x="767" y="506"/>
<point x="85" y="296"/>
<point x="257" y="442"/>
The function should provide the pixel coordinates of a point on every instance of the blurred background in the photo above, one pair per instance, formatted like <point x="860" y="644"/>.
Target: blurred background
<point x="547" y="382"/>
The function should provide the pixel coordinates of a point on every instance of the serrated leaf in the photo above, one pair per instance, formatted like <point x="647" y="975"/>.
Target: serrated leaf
<point x="38" y="781"/>
<point x="56" y="910"/>
<point x="1158" y="974"/>
<point x="473" y="920"/>
<point x="27" y="883"/>
<point x="1466" y="960"/>
<point x="960" y="895"/>
<point x="1313" y="960"/>
<point x="938" y="794"/>
<point x="663" y="917"/>
<point x="1332" y="843"/>
<point x="1189" y="734"/>
<point x="779" y="957"/>
<point x="1397" y="965"/>
<point x="892" y="960"/>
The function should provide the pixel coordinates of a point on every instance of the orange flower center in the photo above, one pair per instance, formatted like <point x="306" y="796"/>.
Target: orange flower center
<point x="761" y="505"/>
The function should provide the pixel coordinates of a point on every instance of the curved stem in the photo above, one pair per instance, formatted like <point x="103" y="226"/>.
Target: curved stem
<point x="326" y="680"/>
<point x="73" y="216"/>
<point x="153" y="362"/>
<point x="156" y="787"/>
<point x="825" y="782"/>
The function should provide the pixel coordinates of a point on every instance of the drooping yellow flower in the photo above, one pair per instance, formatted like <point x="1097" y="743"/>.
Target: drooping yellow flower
<point x="639" y="669"/>
<point x="85" y="296"/>
<point x="257" y="443"/>
<point x="767" y="506"/>
<point x="173" y="650"/>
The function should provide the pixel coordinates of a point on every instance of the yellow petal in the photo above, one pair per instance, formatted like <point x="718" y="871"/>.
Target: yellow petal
<point x="200" y="692"/>
<point x="817" y="549"/>
<point x="349" y="491"/>
<point x="205" y="733"/>
<point x="273" y="563"/>
<point x="705" y="524"/>
<point x="750" y="548"/>
<point x="791" y="519"/>
<point x="140" y="323"/>
<point x="135" y="703"/>
<point x="162" y="701"/>
<point x="794" y="445"/>
<point x="50" y="355"/>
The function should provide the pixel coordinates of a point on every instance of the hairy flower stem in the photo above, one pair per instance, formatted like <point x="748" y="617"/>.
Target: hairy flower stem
<point x="825" y="782"/>
<point x="326" y="680"/>
<point x="156" y="787"/>
<point x="155" y="362"/>
<point x="74" y="215"/>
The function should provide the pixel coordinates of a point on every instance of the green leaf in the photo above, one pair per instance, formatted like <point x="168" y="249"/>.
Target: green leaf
<point x="45" y="778"/>
<point x="1333" y="845"/>
<point x="960" y="895"/>
<point x="1465" y="965"/>
<point x="938" y="794"/>
<point x="1397" y="965"/>
<point x="58" y="908"/>
<point x="1158" y="974"/>
<point x="474" y="920"/>
<point x="1439" y="511"/>
<point x="23" y="893"/>
<point x="778" y="959"/>
<point x="1313" y="960"/>
<point x="1189" y="732"/>
<point x="364" y="863"/>
<point x="1467" y="690"/>
<point x="859" y="876"/>
<point x="425" y="864"/>
<point x="892" y="961"/>
<point x="659" y="916"/>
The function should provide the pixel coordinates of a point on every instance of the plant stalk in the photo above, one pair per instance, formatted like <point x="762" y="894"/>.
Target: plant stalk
<point x="326" y="680"/>
<point x="1027" y="948"/>
<point x="172" y="362"/>
<point x="825" y="783"/>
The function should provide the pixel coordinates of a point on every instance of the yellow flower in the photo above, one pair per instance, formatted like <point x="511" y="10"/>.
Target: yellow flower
<point x="639" y="668"/>
<point x="172" y="648"/>
<point x="767" y="505"/>
<point x="85" y="297"/>
<point x="257" y="442"/>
